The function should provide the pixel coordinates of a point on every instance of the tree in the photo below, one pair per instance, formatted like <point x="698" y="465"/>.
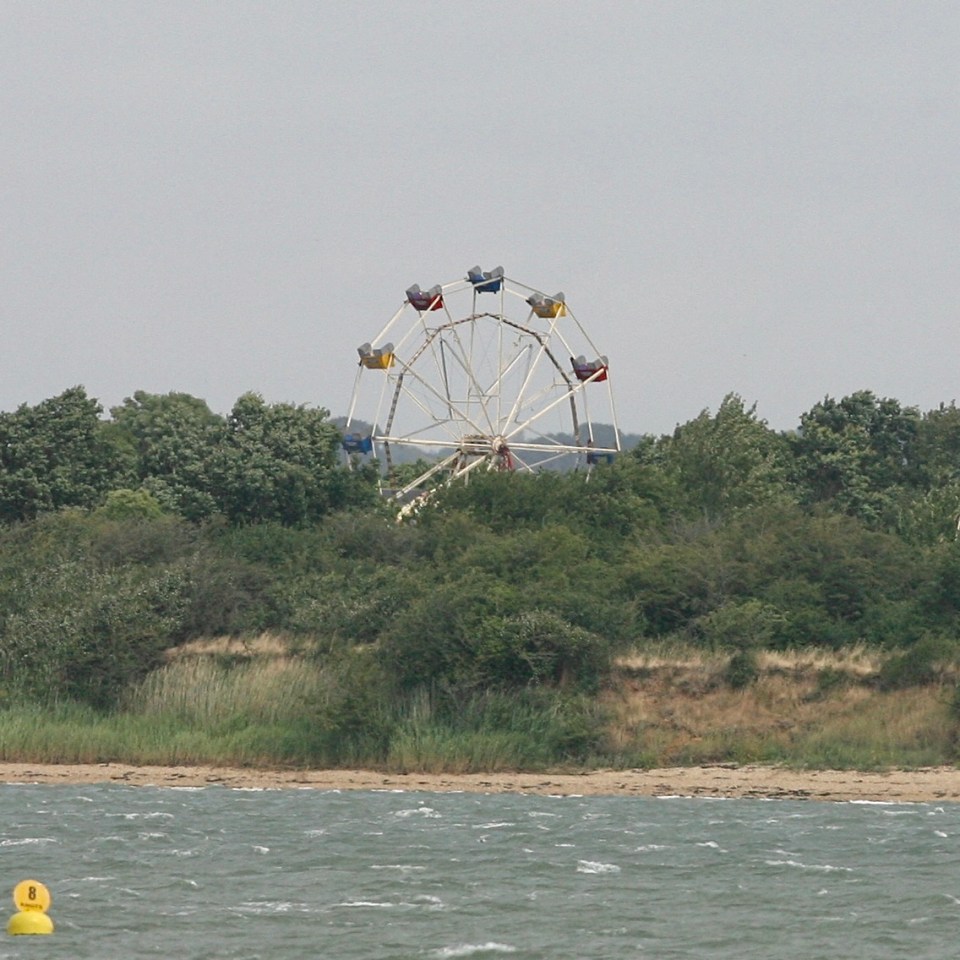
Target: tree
<point x="276" y="462"/>
<point x="724" y="463"/>
<point x="173" y="438"/>
<point x="857" y="454"/>
<point x="57" y="455"/>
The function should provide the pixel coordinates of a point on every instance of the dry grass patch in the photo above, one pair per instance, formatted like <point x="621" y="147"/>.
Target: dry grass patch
<point x="858" y="662"/>
<point x="808" y="708"/>
<point x="265" y="645"/>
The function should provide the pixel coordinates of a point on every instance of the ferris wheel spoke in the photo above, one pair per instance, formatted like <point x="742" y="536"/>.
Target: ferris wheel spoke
<point x="444" y="399"/>
<point x="540" y="414"/>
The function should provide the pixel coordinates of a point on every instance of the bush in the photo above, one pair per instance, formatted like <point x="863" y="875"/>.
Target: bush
<point x="923" y="664"/>
<point x="85" y="635"/>
<point x="538" y="648"/>
<point x="742" y="670"/>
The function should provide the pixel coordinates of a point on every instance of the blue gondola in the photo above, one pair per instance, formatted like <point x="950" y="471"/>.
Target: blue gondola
<point x="485" y="281"/>
<point x="357" y="443"/>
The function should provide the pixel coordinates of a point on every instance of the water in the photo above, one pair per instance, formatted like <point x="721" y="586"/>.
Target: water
<point x="220" y="873"/>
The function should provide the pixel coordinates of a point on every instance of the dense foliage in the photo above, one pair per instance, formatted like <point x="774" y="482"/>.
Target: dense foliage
<point x="164" y="522"/>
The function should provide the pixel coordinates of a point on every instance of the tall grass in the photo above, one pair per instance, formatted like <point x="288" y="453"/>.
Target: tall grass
<point x="208" y="692"/>
<point x="491" y="732"/>
<point x="286" y="711"/>
<point x="72" y="733"/>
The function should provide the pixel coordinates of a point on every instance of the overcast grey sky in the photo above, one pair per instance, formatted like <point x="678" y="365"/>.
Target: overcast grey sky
<point x="215" y="197"/>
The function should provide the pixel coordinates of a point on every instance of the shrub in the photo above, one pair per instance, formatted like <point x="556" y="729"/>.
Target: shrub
<point x="538" y="648"/>
<point x="923" y="663"/>
<point x="742" y="670"/>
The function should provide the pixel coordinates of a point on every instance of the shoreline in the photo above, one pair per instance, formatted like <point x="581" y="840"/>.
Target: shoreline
<point x="926" y="785"/>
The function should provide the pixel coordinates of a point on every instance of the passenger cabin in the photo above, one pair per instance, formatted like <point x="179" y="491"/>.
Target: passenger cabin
<point x="486" y="281"/>
<point x="424" y="300"/>
<point x="547" y="307"/>
<point x="599" y="456"/>
<point x="379" y="359"/>
<point x="357" y="443"/>
<point x="592" y="370"/>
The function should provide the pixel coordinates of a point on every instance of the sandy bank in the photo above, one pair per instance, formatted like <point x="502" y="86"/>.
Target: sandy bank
<point x="936" y="784"/>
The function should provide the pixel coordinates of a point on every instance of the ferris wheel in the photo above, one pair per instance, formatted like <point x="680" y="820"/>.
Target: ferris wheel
<point x="480" y="373"/>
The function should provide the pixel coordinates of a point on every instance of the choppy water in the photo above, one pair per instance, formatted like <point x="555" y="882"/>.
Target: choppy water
<point x="220" y="873"/>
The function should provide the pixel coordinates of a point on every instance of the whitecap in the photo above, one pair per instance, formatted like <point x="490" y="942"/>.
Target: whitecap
<point x="270" y="906"/>
<point x="469" y="949"/>
<point x="823" y="867"/>
<point x="365" y="903"/>
<point x="884" y="803"/>
<point x="259" y="849"/>
<point x="493" y="826"/>
<point x="593" y="866"/>
<point x="427" y="812"/>
<point x="27" y="841"/>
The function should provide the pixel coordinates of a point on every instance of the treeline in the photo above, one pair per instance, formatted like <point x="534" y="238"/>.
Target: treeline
<point x="163" y="523"/>
<point x="263" y="462"/>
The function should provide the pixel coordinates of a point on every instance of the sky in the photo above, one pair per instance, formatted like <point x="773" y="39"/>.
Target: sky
<point x="745" y="197"/>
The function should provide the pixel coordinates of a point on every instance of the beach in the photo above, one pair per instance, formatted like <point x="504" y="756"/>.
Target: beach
<point x="926" y="785"/>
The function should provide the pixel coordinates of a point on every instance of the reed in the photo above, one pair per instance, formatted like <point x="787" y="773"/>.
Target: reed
<point x="205" y="691"/>
<point x="490" y="732"/>
<point x="69" y="733"/>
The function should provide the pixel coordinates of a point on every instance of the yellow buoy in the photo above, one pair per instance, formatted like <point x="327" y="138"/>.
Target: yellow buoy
<point x="32" y="900"/>
<point x="29" y="921"/>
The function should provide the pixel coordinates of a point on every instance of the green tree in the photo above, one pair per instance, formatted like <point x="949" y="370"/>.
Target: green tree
<point x="173" y="438"/>
<point x="57" y="455"/>
<point x="858" y="454"/>
<point x="724" y="463"/>
<point x="277" y="462"/>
